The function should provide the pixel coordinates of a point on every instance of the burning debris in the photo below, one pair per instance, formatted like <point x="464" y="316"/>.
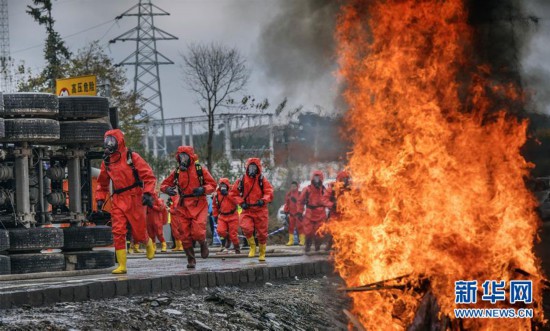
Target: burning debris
<point x="441" y="194"/>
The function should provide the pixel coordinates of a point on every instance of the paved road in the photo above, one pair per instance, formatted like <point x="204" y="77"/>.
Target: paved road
<point x="170" y="264"/>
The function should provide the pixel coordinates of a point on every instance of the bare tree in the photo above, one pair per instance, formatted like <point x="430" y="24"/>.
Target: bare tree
<point x="213" y="72"/>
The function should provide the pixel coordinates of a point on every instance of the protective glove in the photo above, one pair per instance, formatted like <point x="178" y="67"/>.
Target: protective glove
<point x="245" y="206"/>
<point x="171" y="191"/>
<point x="100" y="204"/>
<point x="147" y="200"/>
<point x="260" y="203"/>
<point x="198" y="191"/>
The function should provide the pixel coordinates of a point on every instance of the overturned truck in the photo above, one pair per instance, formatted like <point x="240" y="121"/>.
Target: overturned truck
<point x="46" y="154"/>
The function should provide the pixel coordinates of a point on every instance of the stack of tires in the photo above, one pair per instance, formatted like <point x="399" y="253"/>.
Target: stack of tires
<point x="5" y="266"/>
<point x="79" y="244"/>
<point x="25" y="246"/>
<point x="29" y="117"/>
<point x="81" y="120"/>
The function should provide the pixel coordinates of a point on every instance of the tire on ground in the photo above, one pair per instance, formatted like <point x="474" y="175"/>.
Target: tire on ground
<point x="35" y="239"/>
<point x="2" y="128"/>
<point x="89" y="260"/>
<point x="5" y="265"/>
<point x="4" y="240"/>
<point x="31" y="130"/>
<point x="83" y="107"/>
<point x="30" y="105"/>
<point x="87" y="237"/>
<point x="37" y="262"/>
<point x="89" y="133"/>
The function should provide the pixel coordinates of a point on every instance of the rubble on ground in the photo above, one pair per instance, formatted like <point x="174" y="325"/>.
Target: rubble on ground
<point x="302" y="304"/>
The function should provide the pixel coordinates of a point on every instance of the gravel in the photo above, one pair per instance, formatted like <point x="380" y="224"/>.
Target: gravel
<point x="302" y="304"/>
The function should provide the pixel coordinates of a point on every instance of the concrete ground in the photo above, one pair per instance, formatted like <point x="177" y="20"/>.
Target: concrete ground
<point x="166" y="272"/>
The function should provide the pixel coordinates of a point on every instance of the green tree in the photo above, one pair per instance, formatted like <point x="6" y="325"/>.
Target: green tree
<point x="55" y="51"/>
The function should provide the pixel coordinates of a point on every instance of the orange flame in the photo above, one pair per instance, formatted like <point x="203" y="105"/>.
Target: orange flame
<point x="440" y="191"/>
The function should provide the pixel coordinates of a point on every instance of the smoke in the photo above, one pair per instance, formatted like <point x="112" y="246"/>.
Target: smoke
<point x="535" y="64"/>
<point x="512" y="36"/>
<point x="296" y="50"/>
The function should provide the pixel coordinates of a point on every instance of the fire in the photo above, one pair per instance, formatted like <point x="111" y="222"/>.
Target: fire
<point x="440" y="191"/>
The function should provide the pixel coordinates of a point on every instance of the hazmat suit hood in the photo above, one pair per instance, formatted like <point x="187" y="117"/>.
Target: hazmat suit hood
<point x="119" y="136"/>
<point x="257" y="162"/>
<point x="342" y="175"/>
<point x="224" y="181"/>
<point x="189" y="151"/>
<point x="318" y="173"/>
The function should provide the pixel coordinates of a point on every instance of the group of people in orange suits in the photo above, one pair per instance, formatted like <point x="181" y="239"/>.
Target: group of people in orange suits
<point x="136" y="202"/>
<point x="307" y="210"/>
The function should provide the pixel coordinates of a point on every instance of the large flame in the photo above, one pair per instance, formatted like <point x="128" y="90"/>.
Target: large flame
<point x="440" y="179"/>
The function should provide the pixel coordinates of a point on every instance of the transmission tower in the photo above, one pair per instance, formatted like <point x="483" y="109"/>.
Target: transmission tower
<point x="146" y="60"/>
<point x="5" y="56"/>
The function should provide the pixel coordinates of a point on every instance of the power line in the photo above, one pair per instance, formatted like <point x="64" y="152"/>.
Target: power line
<point x="68" y="36"/>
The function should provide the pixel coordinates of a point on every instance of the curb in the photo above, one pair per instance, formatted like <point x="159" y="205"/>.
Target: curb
<point x="107" y="289"/>
<point x="41" y="275"/>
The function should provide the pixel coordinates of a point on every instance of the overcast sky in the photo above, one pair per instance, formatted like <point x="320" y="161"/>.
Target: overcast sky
<point x="238" y="23"/>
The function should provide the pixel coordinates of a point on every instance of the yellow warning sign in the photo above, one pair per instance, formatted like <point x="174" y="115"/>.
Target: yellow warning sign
<point x="83" y="85"/>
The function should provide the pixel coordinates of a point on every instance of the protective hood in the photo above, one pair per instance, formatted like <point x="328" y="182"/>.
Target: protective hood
<point x="257" y="162"/>
<point x="224" y="181"/>
<point x="341" y="175"/>
<point x="318" y="173"/>
<point x="119" y="136"/>
<point x="189" y="150"/>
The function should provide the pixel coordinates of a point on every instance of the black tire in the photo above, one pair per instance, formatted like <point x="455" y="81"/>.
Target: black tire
<point x="89" y="260"/>
<point x="35" y="239"/>
<point x="31" y="263"/>
<point x="30" y="105"/>
<point x="5" y="265"/>
<point x="4" y="240"/>
<point x="88" y="133"/>
<point x="31" y="130"/>
<point x="2" y="128"/>
<point x="87" y="237"/>
<point x="83" y="107"/>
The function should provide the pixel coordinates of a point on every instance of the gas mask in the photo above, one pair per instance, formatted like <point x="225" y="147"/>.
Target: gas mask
<point x="252" y="170"/>
<point x="110" y="145"/>
<point x="223" y="189"/>
<point x="184" y="160"/>
<point x="317" y="182"/>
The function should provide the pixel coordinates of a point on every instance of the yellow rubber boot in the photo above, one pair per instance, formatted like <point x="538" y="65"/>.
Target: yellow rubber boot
<point x="302" y="239"/>
<point x="136" y="249"/>
<point x="176" y="246"/>
<point x="163" y="247"/>
<point x="179" y="246"/>
<point x="252" y="244"/>
<point x="290" y="240"/>
<point x="151" y="249"/>
<point x="121" y="258"/>
<point x="263" y="247"/>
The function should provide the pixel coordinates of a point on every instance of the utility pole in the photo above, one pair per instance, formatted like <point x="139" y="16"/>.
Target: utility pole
<point x="146" y="59"/>
<point x="5" y="54"/>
